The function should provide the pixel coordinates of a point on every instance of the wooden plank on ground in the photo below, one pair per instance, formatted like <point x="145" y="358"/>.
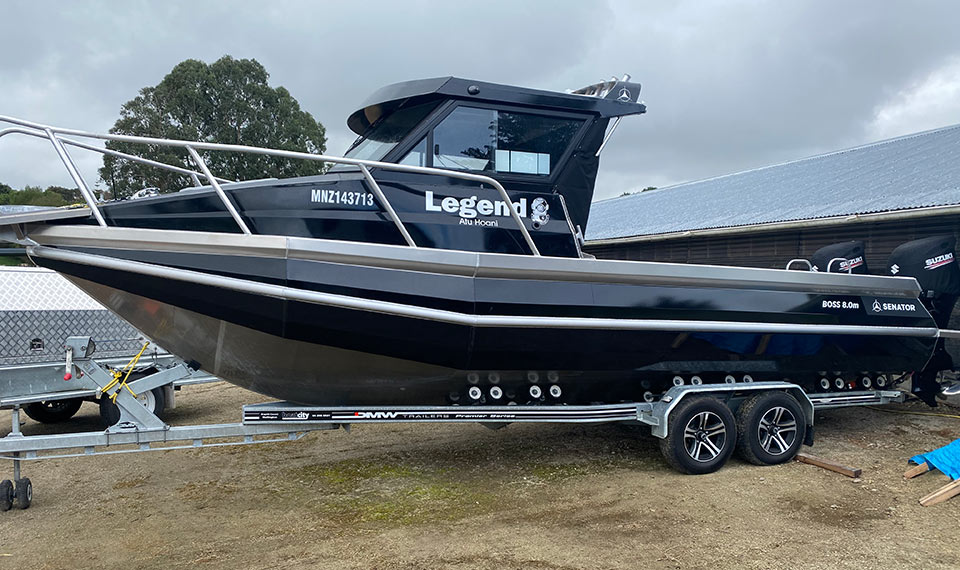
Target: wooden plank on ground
<point x="916" y="471"/>
<point x="829" y="465"/>
<point x="951" y="489"/>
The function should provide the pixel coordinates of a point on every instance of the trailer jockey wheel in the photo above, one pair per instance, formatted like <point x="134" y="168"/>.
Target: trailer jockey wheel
<point x="6" y="495"/>
<point x="701" y="436"/>
<point x="770" y="428"/>
<point x="23" y="494"/>
<point x="53" y="411"/>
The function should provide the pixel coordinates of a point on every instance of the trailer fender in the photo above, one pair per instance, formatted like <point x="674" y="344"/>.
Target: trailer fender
<point x="732" y="395"/>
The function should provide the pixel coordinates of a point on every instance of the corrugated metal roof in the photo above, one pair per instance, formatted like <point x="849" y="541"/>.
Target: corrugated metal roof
<point x="913" y="171"/>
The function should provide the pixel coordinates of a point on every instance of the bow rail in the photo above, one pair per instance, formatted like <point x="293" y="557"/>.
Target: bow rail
<point x="58" y="138"/>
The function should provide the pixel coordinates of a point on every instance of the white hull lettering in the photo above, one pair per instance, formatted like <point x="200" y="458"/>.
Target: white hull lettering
<point x="471" y="207"/>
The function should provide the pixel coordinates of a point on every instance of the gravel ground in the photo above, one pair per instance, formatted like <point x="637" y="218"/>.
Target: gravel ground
<point x="462" y="496"/>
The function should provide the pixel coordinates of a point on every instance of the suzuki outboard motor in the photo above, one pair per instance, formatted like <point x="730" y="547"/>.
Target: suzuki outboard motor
<point x="932" y="261"/>
<point x="846" y="257"/>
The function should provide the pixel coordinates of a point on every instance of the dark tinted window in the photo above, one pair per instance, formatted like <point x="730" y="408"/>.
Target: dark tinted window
<point x="530" y="144"/>
<point x="466" y="139"/>
<point x="488" y="140"/>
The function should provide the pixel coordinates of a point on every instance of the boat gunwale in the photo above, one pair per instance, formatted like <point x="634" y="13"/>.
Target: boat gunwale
<point x="466" y="319"/>
<point x="473" y="264"/>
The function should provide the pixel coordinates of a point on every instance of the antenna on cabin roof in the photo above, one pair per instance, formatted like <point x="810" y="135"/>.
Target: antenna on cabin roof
<point x="602" y="89"/>
<point x="606" y="90"/>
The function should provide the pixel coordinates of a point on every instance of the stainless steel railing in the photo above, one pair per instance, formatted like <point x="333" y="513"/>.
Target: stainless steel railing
<point x="57" y="137"/>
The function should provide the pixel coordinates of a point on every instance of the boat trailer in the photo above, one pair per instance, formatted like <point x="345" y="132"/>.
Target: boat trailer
<point x="140" y="430"/>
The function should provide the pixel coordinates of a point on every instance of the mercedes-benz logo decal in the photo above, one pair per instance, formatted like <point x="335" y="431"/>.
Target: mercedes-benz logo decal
<point x="624" y="94"/>
<point x="876" y="306"/>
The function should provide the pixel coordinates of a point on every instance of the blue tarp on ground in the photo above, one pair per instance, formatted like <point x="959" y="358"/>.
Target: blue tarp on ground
<point x="946" y="459"/>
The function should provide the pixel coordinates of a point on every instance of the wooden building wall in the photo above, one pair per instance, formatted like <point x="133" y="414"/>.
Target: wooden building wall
<point x="773" y="249"/>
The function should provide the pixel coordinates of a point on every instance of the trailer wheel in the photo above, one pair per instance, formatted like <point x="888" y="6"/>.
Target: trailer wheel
<point x="6" y="495"/>
<point x="770" y="428"/>
<point x="701" y="436"/>
<point x="53" y="411"/>
<point x="23" y="495"/>
<point x="154" y="401"/>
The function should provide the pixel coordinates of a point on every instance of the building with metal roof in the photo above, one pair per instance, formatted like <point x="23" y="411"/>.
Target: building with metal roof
<point x="884" y="193"/>
<point x="915" y="171"/>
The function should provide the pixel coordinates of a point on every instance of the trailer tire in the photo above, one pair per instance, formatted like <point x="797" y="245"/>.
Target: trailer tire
<point x="23" y="495"/>
<point x="6" y="495"/>
<point x="770" y="428"/>
<point x="154" y="400"/>
<point x="701" y="436"/>
<point x="53" y="411"/>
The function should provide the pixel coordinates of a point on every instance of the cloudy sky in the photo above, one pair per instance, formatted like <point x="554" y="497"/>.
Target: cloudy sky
<point x="729" y="85"/>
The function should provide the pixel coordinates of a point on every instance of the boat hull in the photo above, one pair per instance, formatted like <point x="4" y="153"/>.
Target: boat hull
<point x="323" y="322"/>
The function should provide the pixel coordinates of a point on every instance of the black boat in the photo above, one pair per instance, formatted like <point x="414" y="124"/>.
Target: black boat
<point x="439" y="262"/>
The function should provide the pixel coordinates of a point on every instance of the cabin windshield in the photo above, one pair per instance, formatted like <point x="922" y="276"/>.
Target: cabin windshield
<point x="384" y="134"/>
<point x="492" y="140"/>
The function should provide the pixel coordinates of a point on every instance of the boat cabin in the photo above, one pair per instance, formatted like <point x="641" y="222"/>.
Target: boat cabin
<point x="542" y="147"/>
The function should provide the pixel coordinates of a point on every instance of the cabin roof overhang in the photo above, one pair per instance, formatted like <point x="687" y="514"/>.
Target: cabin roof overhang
<point x="387" y="99"/>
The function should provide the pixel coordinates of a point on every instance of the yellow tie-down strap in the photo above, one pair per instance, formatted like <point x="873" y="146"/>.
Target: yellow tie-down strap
<point x="125" y="373"/>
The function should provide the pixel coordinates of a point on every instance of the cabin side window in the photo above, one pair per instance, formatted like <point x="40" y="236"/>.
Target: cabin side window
<point x="488" y="140"/>
<point x="418" y="155"/>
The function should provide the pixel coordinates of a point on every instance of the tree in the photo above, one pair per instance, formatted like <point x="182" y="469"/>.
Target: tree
<point x="34" y="196"/>
<point x="69" y="195"/>
<point x="228" y="101"/>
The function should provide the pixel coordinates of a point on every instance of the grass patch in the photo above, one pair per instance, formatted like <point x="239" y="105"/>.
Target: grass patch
<point x="9" y="260"/>
<point x="389" y="493"/>
<point x="346" y="475"/>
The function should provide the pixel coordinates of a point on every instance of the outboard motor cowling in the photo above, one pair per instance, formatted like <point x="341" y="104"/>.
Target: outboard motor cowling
<point x="932" y="261"/>
<point x="847" y="257"/>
